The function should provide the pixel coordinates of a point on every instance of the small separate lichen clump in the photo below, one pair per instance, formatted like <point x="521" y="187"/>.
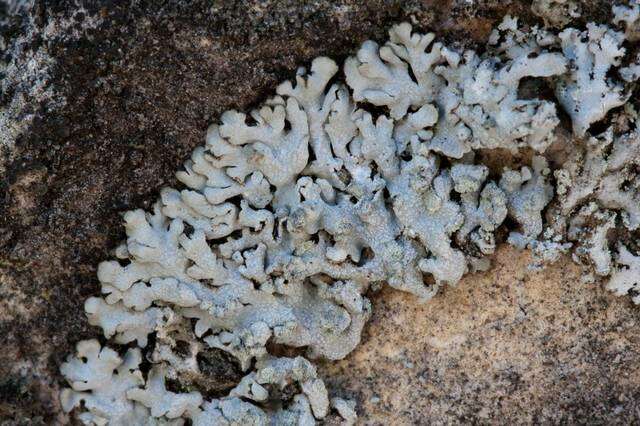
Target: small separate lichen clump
<point x="289" y="216"/>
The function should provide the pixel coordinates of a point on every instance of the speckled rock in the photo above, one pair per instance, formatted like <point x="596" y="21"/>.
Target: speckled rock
<point x="510" y="346"/>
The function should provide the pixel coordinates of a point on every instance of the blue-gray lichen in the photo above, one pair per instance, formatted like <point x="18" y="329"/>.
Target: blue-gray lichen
<point x="286" y="220"/>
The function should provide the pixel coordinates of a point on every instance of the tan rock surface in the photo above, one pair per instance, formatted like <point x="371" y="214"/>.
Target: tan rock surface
<point x="510" y="345"/>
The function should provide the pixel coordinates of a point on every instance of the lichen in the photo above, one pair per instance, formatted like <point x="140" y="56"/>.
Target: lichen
<point x="628" y="15"/>
<point x="587" y="92"/>
<point x="599" y="187"/>
<point x="290" y="215"/>
<point x="625" y="279"/>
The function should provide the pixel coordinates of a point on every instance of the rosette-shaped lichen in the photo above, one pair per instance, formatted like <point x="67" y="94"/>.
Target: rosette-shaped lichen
<point x="289" y="214"/>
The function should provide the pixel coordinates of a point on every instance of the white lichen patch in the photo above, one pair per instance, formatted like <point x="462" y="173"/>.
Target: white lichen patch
<point x="587" y="92"/>
<point x="288" y="215"/>
<point x="628" y="15"/>
<point x="598" y="192"/>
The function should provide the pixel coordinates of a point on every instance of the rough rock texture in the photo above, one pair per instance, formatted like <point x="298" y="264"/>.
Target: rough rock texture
<point x="509" y="346"/>
<point x="134" y="90"/>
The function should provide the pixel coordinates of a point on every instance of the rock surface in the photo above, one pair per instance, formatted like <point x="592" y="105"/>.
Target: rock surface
<point x="100" y="105"/>
<point x="509" y="346"/>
